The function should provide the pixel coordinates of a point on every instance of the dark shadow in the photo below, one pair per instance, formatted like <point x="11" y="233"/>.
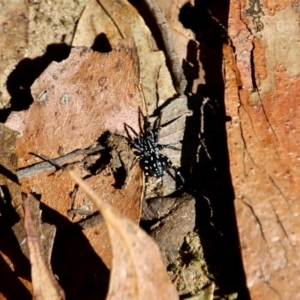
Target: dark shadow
<point x="80" y="271"/>
<point x="102" y="44"/>
<point x="210" y="180"/>
<point x="120" y="176"/>
<point x="191" y="66"/>
<point x="10" y="284"/>
<point x="25" y="73"/>
<point x="6" y="173"/>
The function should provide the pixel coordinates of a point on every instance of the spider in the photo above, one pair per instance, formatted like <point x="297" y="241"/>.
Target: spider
<point x="146" y="143"/>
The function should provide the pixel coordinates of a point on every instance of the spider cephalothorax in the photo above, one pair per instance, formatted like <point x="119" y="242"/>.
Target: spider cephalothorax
<point x="146" y="144"/>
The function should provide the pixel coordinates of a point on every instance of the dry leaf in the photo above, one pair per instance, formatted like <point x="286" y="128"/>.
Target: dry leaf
<point x="112" y="28"/>
<point x="176" y="219"/>
<point x="83" y="96"/>
<point x="52" y="23"/>
<point x="9" y="165"/>
<point x="137" y="269"/>
<point x="45" y="232"/>
<point x="44" y="283"/>
<point x="156" y="82"/>
<point x="184" y="39"/>
<point x="127" y="201"/>
<point x="75" y="101"/>
<point x="29" y="29"/>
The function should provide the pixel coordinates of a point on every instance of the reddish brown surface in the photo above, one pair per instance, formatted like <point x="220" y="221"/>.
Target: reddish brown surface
<point x="263" y="141"/>
<point x="127" y="201"/>
<point x="78" y="99"/>
<point x="97" y="99"/>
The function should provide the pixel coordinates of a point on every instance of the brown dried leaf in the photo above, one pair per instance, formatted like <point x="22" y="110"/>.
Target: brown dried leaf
<point x="183" y="38"/>
<point x="46" y="232"/>
<point x="52" y="23"/>
<point x="9" y="165"/>
<point x="113" y="26"/>
<point x="138" y="271"/>
<point x="78" y="99"/>
<point x="174" y="114"/>
<point x="44" y="283"/>
<point x="156" y="82"/>
<point x="27" y="30"/>
<point x="96" y="21"/>
<point x="75" y="101"/>
<point x="176" y="219"/>
<point x="127" y="201"/>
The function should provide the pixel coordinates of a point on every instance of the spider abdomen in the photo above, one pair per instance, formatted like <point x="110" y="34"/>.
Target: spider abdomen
<point x="154" y="164"/>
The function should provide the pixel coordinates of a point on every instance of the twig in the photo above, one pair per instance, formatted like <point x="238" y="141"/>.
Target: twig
<point x="180" y="82"/>
<point x="45" y="158"/>
<point x="91" y="221"/>
<point x="202" y="130"/>
<point x="46" y="165"/>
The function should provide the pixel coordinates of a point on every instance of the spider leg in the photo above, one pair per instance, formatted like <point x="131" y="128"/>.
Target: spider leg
<point x="127" y="127"/>
<point x="152" y="134"/>
<point x="160" y="147"/>
<point x="141" y="121"/>
<point x="156" y="128"/>
<point x="137" y="144"/>
<point x="136" y="159"/>
<point x="146" y="179"/>
<point x="156" y="135"/>
<point x="146" y="124"/>
<point x="157" y="122"/>
<point x="177" y="172"/>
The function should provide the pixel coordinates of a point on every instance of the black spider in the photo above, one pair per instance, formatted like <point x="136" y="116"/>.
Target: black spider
<point x="153" y="162"/>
